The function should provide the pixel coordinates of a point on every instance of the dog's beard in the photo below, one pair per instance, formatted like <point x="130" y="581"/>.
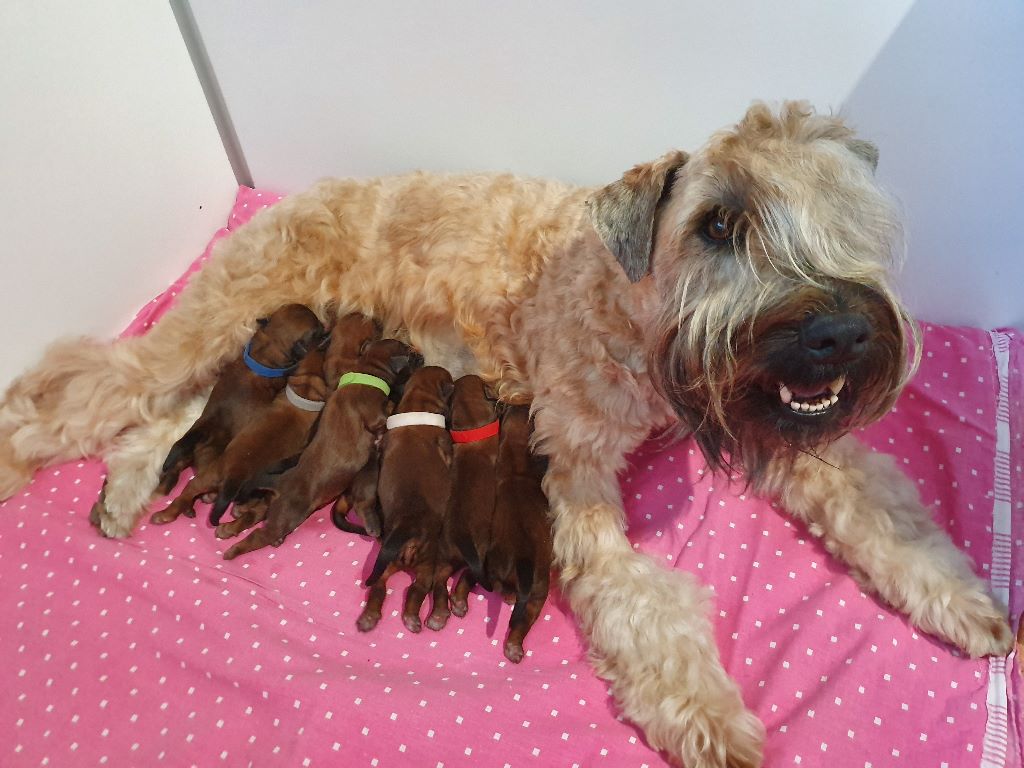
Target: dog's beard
<point x="733" y="387"/>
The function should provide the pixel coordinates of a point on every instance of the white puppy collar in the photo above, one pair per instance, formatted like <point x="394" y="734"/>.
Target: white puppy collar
<point x="301" y="402"/>
<point x="416" y="419"/>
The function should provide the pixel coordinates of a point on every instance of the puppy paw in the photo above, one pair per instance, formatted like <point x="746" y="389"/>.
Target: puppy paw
<point x="973" y="622"/>
<point x="460" y="607"/>
<point x="164" y="516"/>
<point x="436" y="621"/>
<point x="514" y="652"/>
<point x="367" y="621"/>
<point x="412" y="623"/>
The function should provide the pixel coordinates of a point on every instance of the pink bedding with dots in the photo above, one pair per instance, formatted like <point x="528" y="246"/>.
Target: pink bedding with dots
<point x="154" y="650"/>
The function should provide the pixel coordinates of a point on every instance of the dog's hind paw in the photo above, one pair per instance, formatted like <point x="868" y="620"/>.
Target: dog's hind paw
<point x="367" y="621"/>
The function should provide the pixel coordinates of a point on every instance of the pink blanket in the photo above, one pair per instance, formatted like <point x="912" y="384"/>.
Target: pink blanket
<point x="151" y="649"/>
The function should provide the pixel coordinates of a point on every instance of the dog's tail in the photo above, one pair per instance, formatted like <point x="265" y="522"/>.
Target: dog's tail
<point x="524" y="577"/>
<point x="467" y="548"/>
<point x="389" y="549"/>
<point x="181" y="455"/>
<point x="339" y="516"/>
<point x="229" y="491"/>
<point x="84" y="393"/>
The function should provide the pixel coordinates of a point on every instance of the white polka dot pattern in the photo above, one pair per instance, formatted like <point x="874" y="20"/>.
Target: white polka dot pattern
<point x="155" y="650"/>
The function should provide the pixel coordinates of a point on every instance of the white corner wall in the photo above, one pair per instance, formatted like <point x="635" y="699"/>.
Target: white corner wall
<point x="944" y="100"/>
<point x="575" y="89"/>
<point x="114" y="176"/>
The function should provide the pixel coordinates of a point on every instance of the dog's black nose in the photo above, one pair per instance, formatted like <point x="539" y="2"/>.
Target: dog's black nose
<point x="835" y="338"/>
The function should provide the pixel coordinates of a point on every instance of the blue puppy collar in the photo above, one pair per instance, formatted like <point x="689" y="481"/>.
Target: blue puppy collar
<point x="262" y="370"/>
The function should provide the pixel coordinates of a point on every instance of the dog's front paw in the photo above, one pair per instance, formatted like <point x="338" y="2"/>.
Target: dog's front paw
<point x="712" y="731"/>
<point x="972" y="621"/>
<point x="107" y="524"/>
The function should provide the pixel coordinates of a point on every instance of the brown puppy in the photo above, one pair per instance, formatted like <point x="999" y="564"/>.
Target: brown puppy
<point x="287" y="427"/>
<point x="244" y="391"/>
<point x="518" y="559"/>
<point x="349" y="427"/>
<point x="282" y="432"/>
<point x="471" y="506"/>
<point x="414" y="486"/>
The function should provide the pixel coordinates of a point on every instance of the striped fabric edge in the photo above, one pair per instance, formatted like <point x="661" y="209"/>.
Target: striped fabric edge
<point x="995" y="747"/>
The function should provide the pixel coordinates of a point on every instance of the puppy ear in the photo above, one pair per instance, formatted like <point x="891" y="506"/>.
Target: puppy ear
<point x="865" y="150"/>
<point x="398" y="363"/>
<point x="624" y="212"/>
<point x="447" y="390"/>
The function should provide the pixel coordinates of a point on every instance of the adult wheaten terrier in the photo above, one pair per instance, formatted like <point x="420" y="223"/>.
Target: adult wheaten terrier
<point x="742" y="293"/>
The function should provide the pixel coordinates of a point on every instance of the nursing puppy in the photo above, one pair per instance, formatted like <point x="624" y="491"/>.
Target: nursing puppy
<point x="351" y="421"/>
<point x="244" y="392"/>
<point x="281" y="436"/>
<point x="413" y="489"/>
<point x="282" y="432"/>
<point x="518" y="558"/>
<point x="471" y="505"/>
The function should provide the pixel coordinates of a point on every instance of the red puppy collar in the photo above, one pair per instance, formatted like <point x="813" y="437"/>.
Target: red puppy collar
<point x="474" y="435"/>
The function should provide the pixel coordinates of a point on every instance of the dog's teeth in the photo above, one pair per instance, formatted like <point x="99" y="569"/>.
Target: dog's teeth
<point x="804" y="407"/>
<point x="795" y="406"/>
<point x="833" y="400"/>
<point x="785" y="394"/>
<point x="837" y="385"/>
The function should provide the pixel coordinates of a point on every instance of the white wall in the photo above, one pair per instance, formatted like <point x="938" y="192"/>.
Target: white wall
<point x="582" y="90"/>
<point x="113" y="174"/>
<point x="944" y="100"/>
<point x="577" y="89"/>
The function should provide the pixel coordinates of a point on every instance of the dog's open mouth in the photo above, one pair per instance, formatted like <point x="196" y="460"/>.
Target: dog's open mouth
<point x="811" y="400"/>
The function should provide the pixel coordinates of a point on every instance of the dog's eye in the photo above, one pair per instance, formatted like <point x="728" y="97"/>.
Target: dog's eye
<point x="719" y="225"/>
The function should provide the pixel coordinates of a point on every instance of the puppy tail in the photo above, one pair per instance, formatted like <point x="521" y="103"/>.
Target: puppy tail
<point x="524" y="577"/>
<point x="468" y="550"/>
<point x="180" y="456"/>
<point x="228" y="492"/>
<point x="389" y="550"/>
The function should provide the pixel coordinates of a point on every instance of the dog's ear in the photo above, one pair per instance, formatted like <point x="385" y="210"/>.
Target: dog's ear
<point x="624" y="212"/>
<point x="447" y="390"/>
<point x="865" y="150"/>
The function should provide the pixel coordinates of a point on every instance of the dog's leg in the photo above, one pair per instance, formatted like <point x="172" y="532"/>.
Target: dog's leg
<point x="524" y="615"/>
<point x="869" y="514"/>
<point x="85" y="393"/>
<point x="370" y="615"/>
<point x="460" y="594"/>
<point x="133" y="466"/>
<point x="439" y="611"/>
<point x="648" y="627"/>
<point x="415" y="596"/>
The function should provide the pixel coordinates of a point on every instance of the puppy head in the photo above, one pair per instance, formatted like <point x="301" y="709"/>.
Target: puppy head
<point x="349" y="337"/>
<point x="287" y="335"/>
<point x="429" y="389"/>
<point x="308" y="379"/>
<point x="772" y="256"/>
<point x="472" y="406"/>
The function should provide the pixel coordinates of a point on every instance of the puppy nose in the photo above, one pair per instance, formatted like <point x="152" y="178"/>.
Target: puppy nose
<point x="832" y="338"/>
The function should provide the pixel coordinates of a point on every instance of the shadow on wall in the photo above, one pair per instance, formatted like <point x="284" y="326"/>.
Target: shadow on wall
<point x="944" y="100"/>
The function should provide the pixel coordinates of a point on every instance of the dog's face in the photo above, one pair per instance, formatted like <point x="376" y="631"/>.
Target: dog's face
<point x="429" y="389"/>
<point x="771" y="250"/>
<point x="288" y="334"/>
<point x="472" y="406"/>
